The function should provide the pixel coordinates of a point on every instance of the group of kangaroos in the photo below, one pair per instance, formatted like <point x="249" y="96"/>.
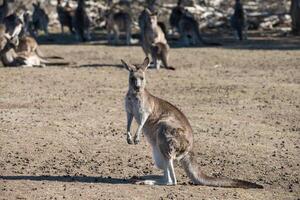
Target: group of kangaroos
<point x="165" y="127"/>
<point x="19" y="29"/>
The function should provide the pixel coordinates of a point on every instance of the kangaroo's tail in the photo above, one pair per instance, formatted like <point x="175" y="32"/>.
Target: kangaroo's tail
<point x="41" y="55"/>
<point x="199" y="178"/>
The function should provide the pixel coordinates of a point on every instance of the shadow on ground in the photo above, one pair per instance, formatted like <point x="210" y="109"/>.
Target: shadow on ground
<point x="82" y="179"/>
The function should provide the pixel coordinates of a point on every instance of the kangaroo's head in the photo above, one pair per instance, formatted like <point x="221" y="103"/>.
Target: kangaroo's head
<point x="152" y="17"/>
<point x="137" y="81"/>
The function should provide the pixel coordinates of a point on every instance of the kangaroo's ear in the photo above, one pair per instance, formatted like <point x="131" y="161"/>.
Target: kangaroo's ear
<point x="145" y="64"/>
<point x="129" y="67"/>
<point x="148" y="11"/>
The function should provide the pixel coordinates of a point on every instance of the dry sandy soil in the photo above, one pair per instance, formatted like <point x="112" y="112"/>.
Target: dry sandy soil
<point x="63" y="128"/>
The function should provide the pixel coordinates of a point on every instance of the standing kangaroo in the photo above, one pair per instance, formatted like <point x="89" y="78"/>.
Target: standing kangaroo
<point x="187" y="26"/>
<point x="168" y="131"/>
<point x="82" y="22"/>
<point x="154" y="41"/>
<point x="40" y="19"/>
<point x="117" y="22"/>
<point x="65" y="15"/>
<point x="3" y="10"/>
<point x="238" y="21"/>
<point x="295" y="15"/>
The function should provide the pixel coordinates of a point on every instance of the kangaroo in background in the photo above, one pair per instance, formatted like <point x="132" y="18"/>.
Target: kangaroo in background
<point x="154" y="41"/>
<point x="117" y="21"/>
<point x="11" y="58"/>
<point x="168" y="132"/>
<point x="4" y="10"/>
<point x="295" y="15"/>
<point x="142" y="21"/>
<point x="65" y="15"/>
<point x="40" y="19"/>
<point x="238" y="21"/>
<point x="14" y="23"/>
<point x="22" y="53"/>
<point x="82" y="22"/>
<point x="187" y="26"/>
<point x="29" y="45"/>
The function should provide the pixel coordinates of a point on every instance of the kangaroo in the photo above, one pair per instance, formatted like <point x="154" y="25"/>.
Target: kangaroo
<point x="26" y="58"/>
<point x="116" y="22"/>
<point x="10" y="58"/>
<point x="154" y="41"/>
<point x="295" y="15"/>
<point x="168" y="131"/>
<point x="184" y="22"/>
<point x="4" y="10"/>
<point x="29" y="45"/>
<point x="65" y="15"/>
<point x="82" y="22"/>
<point x="238" y="21"/>
<point x="14" y="23"/>
<point x="142" y="21"/>
<point x="40" y="19"/>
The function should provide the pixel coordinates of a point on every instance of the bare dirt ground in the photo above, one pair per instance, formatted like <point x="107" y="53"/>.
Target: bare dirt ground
<point x="63" y="128"/>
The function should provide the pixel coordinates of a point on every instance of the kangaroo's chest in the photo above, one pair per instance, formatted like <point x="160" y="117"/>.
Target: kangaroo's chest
<point x="137" y="107"/>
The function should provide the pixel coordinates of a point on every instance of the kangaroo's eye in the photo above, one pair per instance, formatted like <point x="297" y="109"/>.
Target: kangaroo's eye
<point x="142" y="78"/>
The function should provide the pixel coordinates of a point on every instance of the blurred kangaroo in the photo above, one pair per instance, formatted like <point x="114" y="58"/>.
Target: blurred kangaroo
<point x="29" y="45"/>
<point x="40" y="19"/>
<point x="154" y="41"/>
<point x="168" y="131"/>
<point x="142" y="21"/>
<point x="10" y="57"/>
<point x="81" y="22"/>
<point x="295" y="15"/>
<point x="117" y="22"/>
<point x="4" y="10"/>
<point x="14" y="23"/>
<point x="238" y="21"/>
<point x="65" y="16"/>
<point x="21" y="54"/>
<point x="185" y="23"/>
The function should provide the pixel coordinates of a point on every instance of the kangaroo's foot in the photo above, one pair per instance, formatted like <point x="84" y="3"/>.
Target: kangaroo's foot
<point x="161" y="181"/>
<point x="136" y="139"/>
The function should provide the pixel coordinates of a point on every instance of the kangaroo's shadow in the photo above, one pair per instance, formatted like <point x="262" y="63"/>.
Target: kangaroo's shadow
<point x="81" y="179"/>
<point x="102" y="65"/>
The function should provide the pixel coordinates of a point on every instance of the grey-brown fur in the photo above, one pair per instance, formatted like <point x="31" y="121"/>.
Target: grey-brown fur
<point x="184" y="22"/>
<point x="167" y="130"/>
<point x="29" y="45"/>
<point x="154" y="40"/>
<point x="117" y="22"/>
<point x="22" y="52"/>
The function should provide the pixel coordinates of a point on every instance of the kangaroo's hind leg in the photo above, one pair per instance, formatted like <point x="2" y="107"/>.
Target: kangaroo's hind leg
<point x="168" y="141"/>
<point x="164" y="164"/>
